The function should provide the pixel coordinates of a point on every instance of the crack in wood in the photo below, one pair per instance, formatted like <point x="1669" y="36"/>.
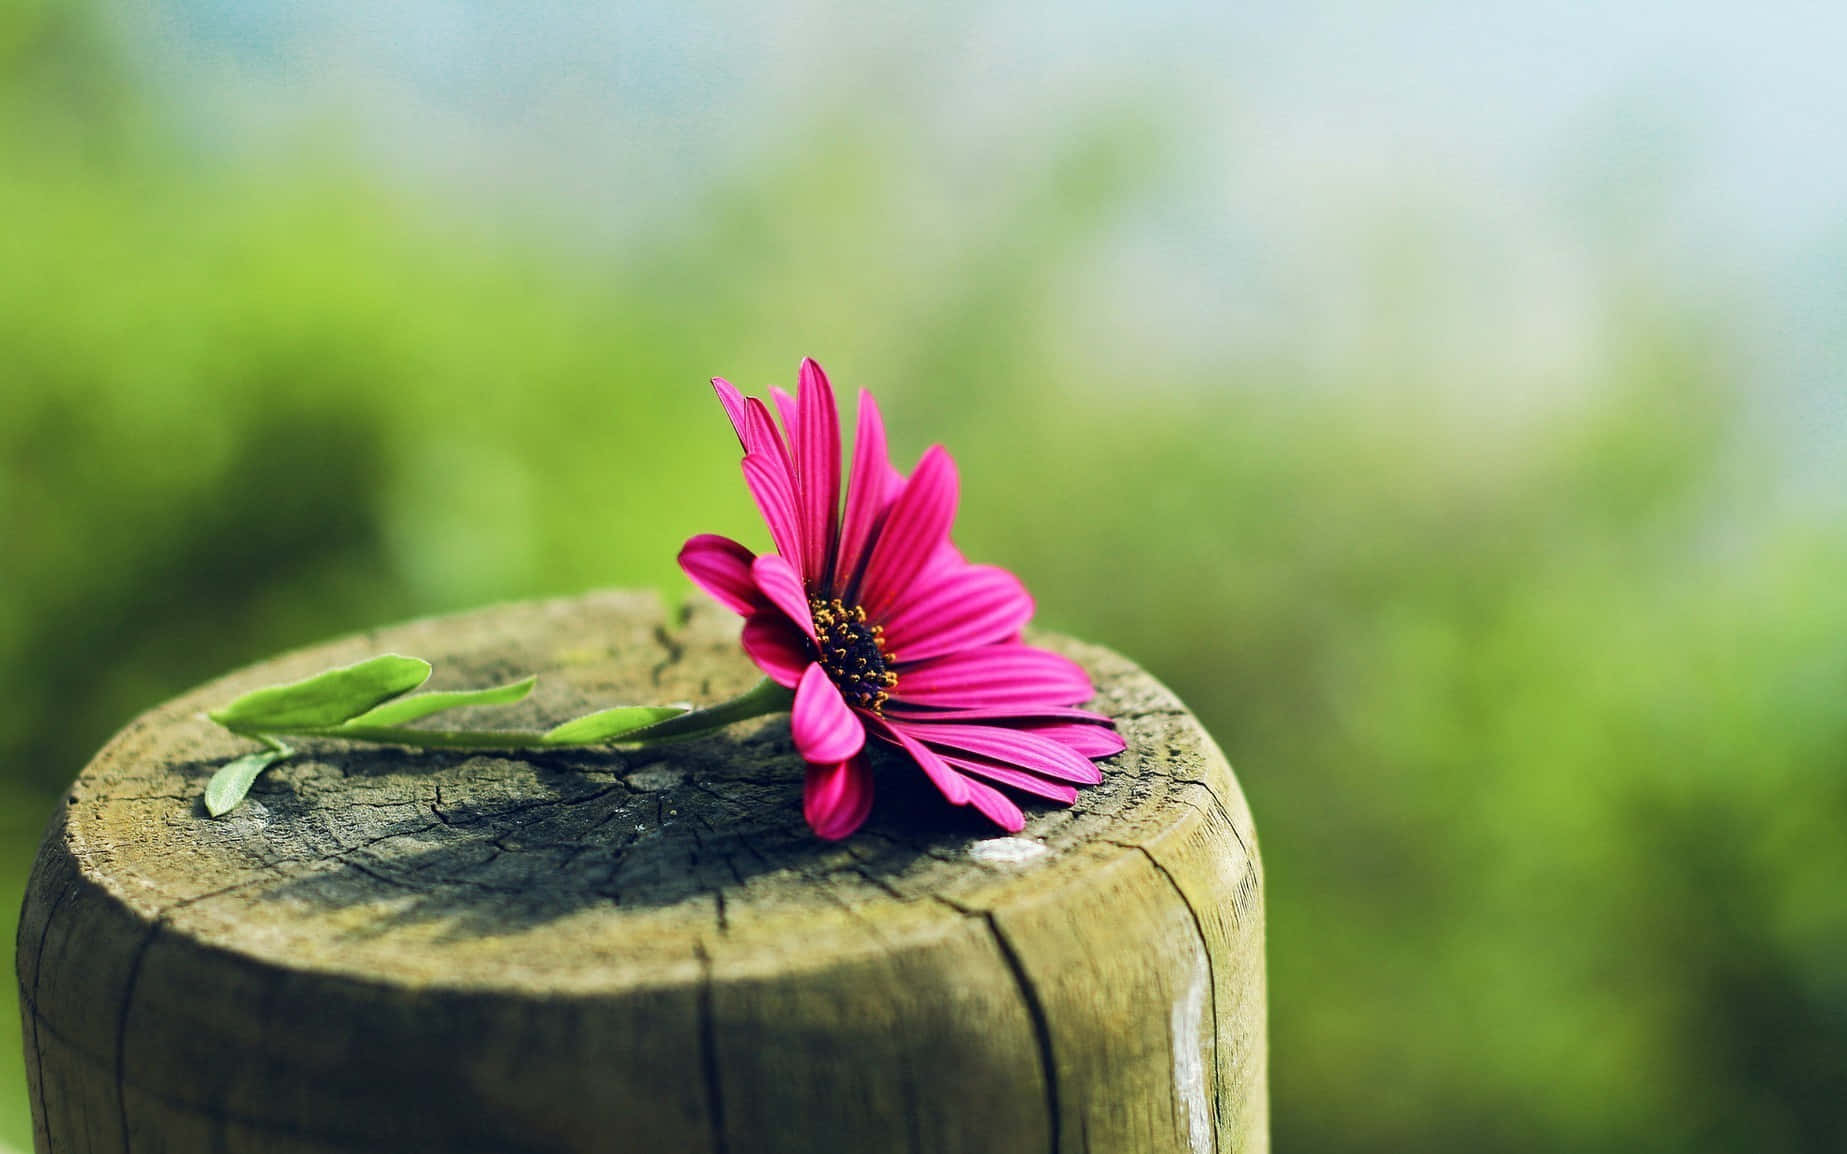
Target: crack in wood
<point x="675" y="651"/>
<point x="907" y="1090"/>
<point x="38" y="976"/>
<point x="708" y="1053"/>
<point x="1042" y="1030"/>
<point x="1205" y="951"/>
<point x="121" y="1030"/>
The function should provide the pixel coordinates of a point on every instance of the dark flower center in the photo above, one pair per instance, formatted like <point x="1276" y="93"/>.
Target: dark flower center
<point x="853" y="653"/>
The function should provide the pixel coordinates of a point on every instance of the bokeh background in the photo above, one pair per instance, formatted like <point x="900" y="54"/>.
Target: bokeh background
<point x="1446" y="399"/>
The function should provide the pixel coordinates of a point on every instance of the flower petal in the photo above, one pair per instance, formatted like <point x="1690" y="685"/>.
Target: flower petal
<point x="782" y="585"/>
<point x="1009" y="675"/>
<point x="777" y="647"/>
<point x="786" y="410"/>
<point x="721" y="567"/>
<point x="825" y="730"/>
<point x="1030" y="751"/>
<point x="761" y="436"/>
<point x="872" y="488"/>
<point x="1022" y="714"/>
<point x="917" y="524"/>
<point x="775" y="493"/>
<point x="945" y="560"/>
<point x="735" y="408"/>
<point x="966" y="607"/>
<point x="996" y="806"/>
<point x="817" y="459"/>
<point x="1090" y="740"/>
<point x="952" y="784"/>
<point x="836" y="798"/>
<point x="1018" y="779"/>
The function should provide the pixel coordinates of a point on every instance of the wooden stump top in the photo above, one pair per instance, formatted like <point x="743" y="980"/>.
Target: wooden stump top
<point x="528" y="951"/>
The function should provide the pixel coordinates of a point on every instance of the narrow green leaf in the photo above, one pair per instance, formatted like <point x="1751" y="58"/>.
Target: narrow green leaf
<point x="610" y="724"/>
<point x="326" y="699"/>
<point x="225" y="792"/>
<point x="403" y="709"/>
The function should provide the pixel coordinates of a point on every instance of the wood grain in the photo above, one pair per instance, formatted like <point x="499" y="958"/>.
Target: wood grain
<point x="582" y="950"/>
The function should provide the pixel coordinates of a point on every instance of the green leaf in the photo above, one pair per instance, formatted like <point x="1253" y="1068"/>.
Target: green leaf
<point x="326" y="699"/>
<point x="225" y="792"/>
<point x="404" y="709"/>
<point x="610" y="724"/>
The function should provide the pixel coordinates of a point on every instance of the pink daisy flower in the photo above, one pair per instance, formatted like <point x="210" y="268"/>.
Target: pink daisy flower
<point x="883" y="630"/>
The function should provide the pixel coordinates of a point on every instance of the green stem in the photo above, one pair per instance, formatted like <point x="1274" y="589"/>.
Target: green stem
<point x="764" y="698"/>
<point x="433" y="738"/>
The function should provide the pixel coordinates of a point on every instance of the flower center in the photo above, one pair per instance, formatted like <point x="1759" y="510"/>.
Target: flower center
<point x="853" y="653"/>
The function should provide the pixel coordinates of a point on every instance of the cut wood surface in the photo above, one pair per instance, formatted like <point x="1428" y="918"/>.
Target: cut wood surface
<point x="595" y="950"/>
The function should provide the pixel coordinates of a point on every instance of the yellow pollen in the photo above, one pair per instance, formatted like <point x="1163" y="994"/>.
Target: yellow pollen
<point x="853" y="653"/>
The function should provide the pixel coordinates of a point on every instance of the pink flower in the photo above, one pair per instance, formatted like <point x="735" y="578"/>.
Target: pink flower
<point x="881" y="627"/>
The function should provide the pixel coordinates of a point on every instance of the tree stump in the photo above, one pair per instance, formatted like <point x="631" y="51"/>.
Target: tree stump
<point x="386" y="950"/>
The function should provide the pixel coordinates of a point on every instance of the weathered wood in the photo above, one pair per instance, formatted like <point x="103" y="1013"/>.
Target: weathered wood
<point x="590" y="950"/>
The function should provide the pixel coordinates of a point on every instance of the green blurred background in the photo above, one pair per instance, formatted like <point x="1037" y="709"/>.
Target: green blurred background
<point x="1446" y="403"/>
